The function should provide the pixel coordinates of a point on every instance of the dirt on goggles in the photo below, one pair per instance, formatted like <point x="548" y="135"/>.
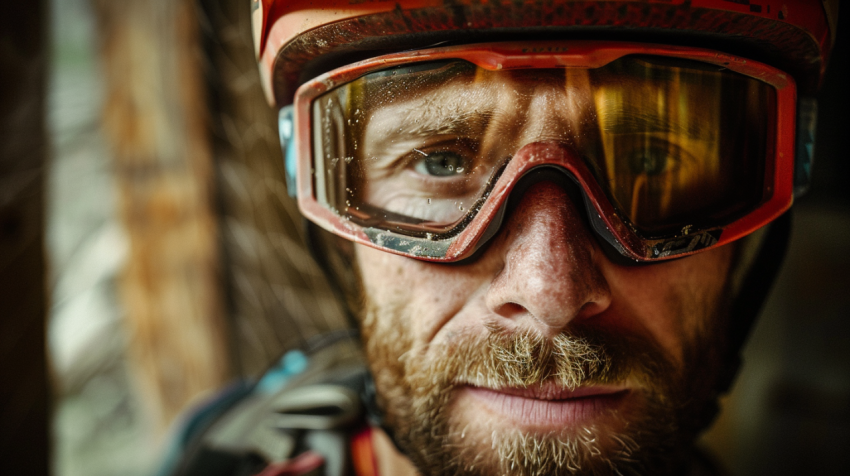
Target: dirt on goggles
<point x="673" y="144"/>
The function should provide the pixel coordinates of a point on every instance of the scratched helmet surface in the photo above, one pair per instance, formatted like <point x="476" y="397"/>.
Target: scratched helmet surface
<point x="299" y="39"/>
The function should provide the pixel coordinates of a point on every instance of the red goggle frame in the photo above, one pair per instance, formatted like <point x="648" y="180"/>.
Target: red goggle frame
<point x="778" y="187"/>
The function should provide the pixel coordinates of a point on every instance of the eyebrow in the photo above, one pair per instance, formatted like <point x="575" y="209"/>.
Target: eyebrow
<point x="426" y="123"/>
<point x="451" y="125"/>
<point x="423" y="121"/>
<point x="622" y="122"/>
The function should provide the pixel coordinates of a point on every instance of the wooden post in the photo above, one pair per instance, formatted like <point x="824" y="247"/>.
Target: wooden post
<point x="24" y="402"/>
<point x="156" y="120"/>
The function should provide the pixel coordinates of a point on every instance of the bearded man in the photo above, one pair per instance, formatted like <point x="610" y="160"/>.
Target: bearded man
<point x="555" y="220"/>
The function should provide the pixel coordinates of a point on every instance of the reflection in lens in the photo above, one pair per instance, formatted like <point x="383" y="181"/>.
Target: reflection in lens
<point x="679" y="147"/>
<point x="672" y="143"/>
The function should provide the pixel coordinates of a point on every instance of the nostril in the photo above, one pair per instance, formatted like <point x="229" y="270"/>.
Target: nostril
<point x="510" y="310"/>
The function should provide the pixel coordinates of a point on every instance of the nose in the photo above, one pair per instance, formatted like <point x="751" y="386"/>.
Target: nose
<point x="551" y="273"/>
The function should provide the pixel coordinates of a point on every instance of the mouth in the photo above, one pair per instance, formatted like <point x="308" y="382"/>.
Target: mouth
<point x="547" y="406"/>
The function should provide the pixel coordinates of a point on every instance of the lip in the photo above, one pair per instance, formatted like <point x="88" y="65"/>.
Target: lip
<point x="549" y="406"/>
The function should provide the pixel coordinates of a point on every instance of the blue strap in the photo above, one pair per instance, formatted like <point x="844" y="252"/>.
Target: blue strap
<point x="286" y="130"/>
<point x="807" y="115"/>
<point x="292" y="363"/>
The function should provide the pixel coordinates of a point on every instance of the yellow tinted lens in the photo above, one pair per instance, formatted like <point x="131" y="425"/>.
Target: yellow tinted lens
<point x="684" y="143"/>
<point x="674" y="144"/>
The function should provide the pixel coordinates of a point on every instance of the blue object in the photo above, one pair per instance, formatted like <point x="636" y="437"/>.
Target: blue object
<point x="286" y="130"/>
<point x="199" y="419"/>
<point x="292" y="363"/>
<point x="807" y="115"/>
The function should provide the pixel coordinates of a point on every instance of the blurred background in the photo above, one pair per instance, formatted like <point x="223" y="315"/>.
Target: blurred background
<point x="141" y="181"/>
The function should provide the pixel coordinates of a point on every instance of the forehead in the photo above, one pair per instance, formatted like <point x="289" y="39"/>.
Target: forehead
<point x="443" y="98"/>
<point x="447" y="79"/>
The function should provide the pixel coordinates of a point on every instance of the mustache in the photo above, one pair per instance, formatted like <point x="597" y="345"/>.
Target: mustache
<point x="504" y="358"/>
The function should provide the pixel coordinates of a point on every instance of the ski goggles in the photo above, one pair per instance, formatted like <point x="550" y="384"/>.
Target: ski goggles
<point x="674" y="149"/>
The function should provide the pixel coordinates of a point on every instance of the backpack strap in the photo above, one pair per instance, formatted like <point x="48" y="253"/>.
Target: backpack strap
<point x="300" y="426"/>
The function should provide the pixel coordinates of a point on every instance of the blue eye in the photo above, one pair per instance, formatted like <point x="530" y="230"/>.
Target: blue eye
<point x="440" y="164"/>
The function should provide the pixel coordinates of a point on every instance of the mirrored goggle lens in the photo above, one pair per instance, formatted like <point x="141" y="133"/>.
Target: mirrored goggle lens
<point x="672" y="143"/>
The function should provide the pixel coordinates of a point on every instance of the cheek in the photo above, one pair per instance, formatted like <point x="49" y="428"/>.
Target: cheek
<point x="424" y="297"/>
<point x="674" y="303"/>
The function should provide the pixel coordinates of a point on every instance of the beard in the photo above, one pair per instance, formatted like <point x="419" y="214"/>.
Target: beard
<point x="653" y="434"/>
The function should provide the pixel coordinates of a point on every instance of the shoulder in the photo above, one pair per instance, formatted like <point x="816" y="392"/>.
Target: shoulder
<point x="298" y="417"/>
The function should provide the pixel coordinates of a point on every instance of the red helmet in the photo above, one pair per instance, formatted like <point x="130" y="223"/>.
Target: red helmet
<point x="296" y="39"/>
<point x="307" y="42"/>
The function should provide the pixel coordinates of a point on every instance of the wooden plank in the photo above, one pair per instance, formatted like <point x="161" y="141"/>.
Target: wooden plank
<point x="156" y="120"/>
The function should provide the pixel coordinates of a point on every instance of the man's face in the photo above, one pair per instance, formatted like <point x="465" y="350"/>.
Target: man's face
<point x="541" y="356"/>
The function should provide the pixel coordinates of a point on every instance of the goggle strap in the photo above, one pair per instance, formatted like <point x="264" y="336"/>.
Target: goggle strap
<point x="807" y="118"/>
<point x="286" y="130"/>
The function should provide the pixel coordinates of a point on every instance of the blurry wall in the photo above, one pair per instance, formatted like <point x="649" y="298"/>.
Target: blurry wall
<point x="145" y="188"/>
<point x="102" y="425"/>
<point x="23" y="382"/>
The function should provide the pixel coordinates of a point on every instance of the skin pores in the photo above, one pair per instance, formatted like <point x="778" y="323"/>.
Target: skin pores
<point x="541" y="356"/>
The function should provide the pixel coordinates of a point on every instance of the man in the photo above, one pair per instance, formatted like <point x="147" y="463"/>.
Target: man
<point x="556" y="222"/>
